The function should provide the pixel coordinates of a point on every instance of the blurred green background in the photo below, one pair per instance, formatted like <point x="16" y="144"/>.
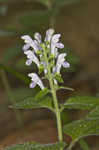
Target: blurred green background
<point x="78" y="22"/>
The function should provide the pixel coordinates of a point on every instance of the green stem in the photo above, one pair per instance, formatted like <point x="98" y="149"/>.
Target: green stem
<point x="83" y="144"/>
<point x="10" y="96"/>
<point x="57" y="110"/>
<point x="71" y="145"/>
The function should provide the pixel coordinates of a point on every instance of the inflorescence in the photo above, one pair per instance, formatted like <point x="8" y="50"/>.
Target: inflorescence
<point x="35" y="50"/>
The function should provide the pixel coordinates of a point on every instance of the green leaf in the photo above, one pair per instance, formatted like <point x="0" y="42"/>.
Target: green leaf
<point x="81" y="128"/>
<point x="65" y="88"/>
<point x="31" y="103"/>
<point x="18" y="75"/>
<point x="11" y="53"/>
<point x="81" y="102"/>
<point x="37" y="18"/>
<point x="64" y="2"/>
<point x="36" y="146"/>
<point x="94" y="114"/>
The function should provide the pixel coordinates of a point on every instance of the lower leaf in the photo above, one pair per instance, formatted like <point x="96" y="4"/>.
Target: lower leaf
<point x="31" y="103"/>
<point x="82" y="128"/>
<point x="36" y="146"/>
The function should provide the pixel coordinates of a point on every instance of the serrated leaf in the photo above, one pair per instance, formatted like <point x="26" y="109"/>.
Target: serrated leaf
<point x="81" y="102"/>
<point x="65" y="2"/>
<point x="10" y="53"/>
<point x="31" y="103"/>
<point x="36" y="146"/>
<point x="38" y="17"/>
<point x="94" y="114"/>
<point x="82" y="128"/>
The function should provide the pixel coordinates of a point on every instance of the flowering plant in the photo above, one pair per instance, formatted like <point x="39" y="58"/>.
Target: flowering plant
<point x="45" y="56"/>
<point x="49" y="59"/>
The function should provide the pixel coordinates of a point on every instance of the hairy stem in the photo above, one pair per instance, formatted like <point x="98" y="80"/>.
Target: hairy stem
<point x="57" y="110"/>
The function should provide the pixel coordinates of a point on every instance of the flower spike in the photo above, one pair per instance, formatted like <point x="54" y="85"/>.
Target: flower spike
<point x="45" y="55"/>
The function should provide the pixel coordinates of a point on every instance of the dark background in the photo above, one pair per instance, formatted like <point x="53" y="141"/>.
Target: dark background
<point x="79" y="25"/>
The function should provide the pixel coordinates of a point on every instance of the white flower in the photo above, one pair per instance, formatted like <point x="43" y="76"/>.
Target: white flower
<point x="61" y="62"/>
<point x="55" y="45"/>
<point x="37" y="36"/>
<point x="31" y="58"/>
<point x="29" y="41"/>
<point x="49" y="34"/>
<point x="35" y="81"/>
<point x="25" y="47"/>
<point x="55" y="81"/>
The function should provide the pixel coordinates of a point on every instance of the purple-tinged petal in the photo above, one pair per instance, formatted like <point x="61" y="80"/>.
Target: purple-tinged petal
<point x="45" y="71"/>
<point x="55" y="81"/>
<point x="55" y="38"/>
<point x="59" y="45"/>
<point x="27" y="38"/>
<point x="28" y="62"/>
<point x="35" y="78"/>
<point x="32" y="85"/>
<point x="37" y="36"/>
<point x="49" y="34"/>
<point x="60" y="61"/>
<point x="43" y="63"/>
<point x="55" y="44"/>
<point x="31" y="56"/>
<point x="66" y="64"/>
<point x="25" y="47"/>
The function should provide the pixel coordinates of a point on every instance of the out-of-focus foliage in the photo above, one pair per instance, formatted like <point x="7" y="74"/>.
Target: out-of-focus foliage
<point x="59" y="3"/>
<point x="39" y="18"/>
<point x="36" y="146"/>
<point x="10" y="53"/>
